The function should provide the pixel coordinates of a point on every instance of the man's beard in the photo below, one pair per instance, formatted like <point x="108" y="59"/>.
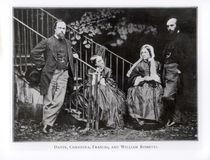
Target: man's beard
<point x="171" y="34"/>
<point x="171" y="31"/>
<point x="61" y="36"/>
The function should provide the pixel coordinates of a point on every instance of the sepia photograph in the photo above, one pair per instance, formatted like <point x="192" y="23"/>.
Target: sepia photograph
<point x="104" y="74"/>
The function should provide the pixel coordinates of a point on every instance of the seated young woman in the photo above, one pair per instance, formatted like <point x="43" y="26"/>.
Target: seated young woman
<point x="110" y="99"/>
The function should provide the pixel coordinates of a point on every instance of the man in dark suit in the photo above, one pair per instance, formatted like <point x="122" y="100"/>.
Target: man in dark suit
<point x="54" y="56"/>
<point x="177" y="49"/>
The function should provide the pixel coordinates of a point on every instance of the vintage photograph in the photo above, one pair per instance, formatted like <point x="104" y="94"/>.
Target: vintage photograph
<point x="104" y="74"/>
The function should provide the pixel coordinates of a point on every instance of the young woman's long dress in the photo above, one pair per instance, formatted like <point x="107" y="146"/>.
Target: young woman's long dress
<point x="111" y="101"/>
<point x="145" y="99"/>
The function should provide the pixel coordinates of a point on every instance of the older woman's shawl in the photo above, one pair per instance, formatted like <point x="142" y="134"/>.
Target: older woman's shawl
<point x="145" y="100"/>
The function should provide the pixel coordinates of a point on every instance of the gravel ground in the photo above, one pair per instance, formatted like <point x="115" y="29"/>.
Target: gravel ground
<point x="68" y="128"/>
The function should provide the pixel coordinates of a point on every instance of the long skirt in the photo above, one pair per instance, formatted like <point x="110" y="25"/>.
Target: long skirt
<point x="145" y="102"/>
<point x="112" y="105"/>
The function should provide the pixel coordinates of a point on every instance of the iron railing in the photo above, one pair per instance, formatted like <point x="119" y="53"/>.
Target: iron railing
<point x="42" y="21"/>
<point x="25" y="38"/>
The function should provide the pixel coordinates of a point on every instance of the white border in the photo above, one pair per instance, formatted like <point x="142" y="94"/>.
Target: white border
<point x="192" y="150"/>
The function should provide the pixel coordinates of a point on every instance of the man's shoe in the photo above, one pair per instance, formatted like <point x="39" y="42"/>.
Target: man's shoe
<point x="44" y="129"/>
<point x="50" y="130"/>
<point x="47" y="129"/>
<point x="140" y="122"/>
<point x="170" y="123"/>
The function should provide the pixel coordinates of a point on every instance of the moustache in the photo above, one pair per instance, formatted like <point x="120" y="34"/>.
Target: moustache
<point x="171" y="31"/>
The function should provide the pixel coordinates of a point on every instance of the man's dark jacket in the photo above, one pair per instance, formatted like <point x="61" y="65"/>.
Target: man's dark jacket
<point x="44" y="55"/>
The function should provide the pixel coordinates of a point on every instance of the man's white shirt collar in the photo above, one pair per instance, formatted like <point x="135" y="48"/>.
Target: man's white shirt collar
<point x="56" y="36"/>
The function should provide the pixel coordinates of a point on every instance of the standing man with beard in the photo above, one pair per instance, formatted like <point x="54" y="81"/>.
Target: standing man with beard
<point x="176" y="50"/>
<point x="54" y="56"/>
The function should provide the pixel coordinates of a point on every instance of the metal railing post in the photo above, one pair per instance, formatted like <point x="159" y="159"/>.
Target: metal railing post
<point x="76" y="70"/>
<point x="123" y="74"/>
<point x="25" y="48"/>
<point x="89" y="102"/>
<point x="96" y="102"/>
<point x="117" y="70"/>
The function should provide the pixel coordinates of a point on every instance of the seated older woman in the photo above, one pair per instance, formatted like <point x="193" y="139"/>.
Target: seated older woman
<point x="145" y="93"/>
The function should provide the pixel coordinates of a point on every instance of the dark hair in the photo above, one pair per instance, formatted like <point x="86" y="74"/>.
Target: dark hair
<point x="93" y="63"/>
<point x="56" y="22"/>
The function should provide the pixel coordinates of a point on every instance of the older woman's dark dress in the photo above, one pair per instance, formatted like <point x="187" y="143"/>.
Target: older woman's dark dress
<point x="145" y="99"/>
